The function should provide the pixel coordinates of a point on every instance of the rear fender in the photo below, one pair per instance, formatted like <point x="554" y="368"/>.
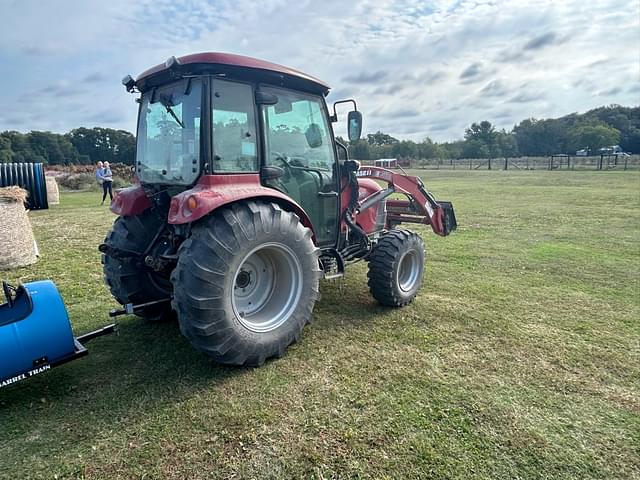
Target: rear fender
<point x="215" y="191"/>
<point x="130" y="201"/>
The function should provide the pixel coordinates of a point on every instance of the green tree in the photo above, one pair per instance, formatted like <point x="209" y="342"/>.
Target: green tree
<point x="594" y="136"/>
<point x="507" y="144"/>
<point x="359" y="150"/>
<point x="20" y="146"/>
<point x="474" y="148"/>
<point x="428" y="149"/>
<point x="6" y="154"/>
<point x="483" y="131"/>
<point x="380" y="139"/>
<point x="630" y="140"/>
<point x="452" y="149"/>
<point x="104" y="144"/>
<point x="54" y="148"/>
<point x="404" y="149"/>
<point x="482" y="139"/>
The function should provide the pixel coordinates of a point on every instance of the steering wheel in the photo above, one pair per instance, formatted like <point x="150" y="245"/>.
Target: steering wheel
<point x="7" y="293"/>
<point x="282" y="158"/>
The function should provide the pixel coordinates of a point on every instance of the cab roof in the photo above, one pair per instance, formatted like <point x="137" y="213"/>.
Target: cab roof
<point x="232" y="66"/>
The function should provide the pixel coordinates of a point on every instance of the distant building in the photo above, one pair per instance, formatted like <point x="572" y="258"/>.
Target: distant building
<point x="387" y="163"/>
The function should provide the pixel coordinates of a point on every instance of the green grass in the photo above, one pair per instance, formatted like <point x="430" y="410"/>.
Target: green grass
<point x="519" y="358"/>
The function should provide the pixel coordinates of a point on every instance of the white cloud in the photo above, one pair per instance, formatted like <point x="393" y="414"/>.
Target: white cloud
<point x="416" y="68"/>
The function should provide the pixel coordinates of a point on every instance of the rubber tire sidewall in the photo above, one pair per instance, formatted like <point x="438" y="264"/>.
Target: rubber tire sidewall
<point x="128" y="283"/>
<point x="204" y="281"/>
<point x="384" y="261"/>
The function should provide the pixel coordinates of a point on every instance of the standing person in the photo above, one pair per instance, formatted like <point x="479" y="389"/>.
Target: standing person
<point x="99" y="173"/>
<point x="107" y="182"/>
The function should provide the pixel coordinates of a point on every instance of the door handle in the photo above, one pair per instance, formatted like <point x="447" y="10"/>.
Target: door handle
<point x="327" y="194"/>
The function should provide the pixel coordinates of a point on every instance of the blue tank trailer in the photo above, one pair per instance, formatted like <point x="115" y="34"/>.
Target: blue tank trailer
<point x="35" y="332"/>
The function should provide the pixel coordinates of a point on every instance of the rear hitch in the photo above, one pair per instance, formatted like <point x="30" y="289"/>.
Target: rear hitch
<point x="119" y="253"/>
<point x="131" y="309"/>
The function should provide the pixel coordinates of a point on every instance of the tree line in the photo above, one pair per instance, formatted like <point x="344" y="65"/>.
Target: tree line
<point x="79" y="146"/>
<point x="595" y="129"/>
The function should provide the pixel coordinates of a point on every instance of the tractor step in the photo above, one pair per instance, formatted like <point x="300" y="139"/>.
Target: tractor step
<point x="333" y="276"/>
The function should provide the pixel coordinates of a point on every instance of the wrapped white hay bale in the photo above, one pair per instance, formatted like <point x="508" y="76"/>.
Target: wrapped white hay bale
<point x="53" y="194"/>
<point x="17" y="244"/>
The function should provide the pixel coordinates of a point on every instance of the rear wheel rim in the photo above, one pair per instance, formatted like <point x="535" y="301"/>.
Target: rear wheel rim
<point x="267" y="287"/>
<point x="409" y="270"/>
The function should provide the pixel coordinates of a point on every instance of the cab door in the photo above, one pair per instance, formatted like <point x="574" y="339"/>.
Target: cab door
<point x="298" y="139"/>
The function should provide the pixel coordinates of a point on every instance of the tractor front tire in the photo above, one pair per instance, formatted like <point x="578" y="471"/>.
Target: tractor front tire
<point x="396" y="265"/>
<point x="131" y="282"/>
<point x="246" y="283"/>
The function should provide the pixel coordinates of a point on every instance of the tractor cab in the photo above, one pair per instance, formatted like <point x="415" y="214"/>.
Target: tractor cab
<point x="220" y="114"/>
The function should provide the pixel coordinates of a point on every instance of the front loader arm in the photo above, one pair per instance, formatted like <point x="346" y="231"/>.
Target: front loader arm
<point x="421" y="206"/>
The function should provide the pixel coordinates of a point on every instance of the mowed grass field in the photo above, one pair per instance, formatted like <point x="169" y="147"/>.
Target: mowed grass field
<point x="518" y="359"/>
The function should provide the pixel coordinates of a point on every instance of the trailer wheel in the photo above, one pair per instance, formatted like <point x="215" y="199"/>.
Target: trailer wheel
<point x="246" y="283"/>
<point x="396" y="266"/>
<point x="129" y="281"/>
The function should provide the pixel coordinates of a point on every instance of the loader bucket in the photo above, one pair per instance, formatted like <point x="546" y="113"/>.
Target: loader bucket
<point x="449" y="219"/>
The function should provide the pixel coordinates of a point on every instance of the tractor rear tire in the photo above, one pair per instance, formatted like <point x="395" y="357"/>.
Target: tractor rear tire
<point x="246" y="283"/>
<point x="396" y="265"/>
<point x="130" y="282"/>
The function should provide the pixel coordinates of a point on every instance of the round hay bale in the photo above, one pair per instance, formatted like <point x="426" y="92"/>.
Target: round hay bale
<point x="17" y="244"/>
<point x="53" y="194"/>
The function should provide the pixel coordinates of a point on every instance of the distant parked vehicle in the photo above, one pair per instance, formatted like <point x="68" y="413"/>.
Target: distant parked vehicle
<point x="612" y="150"/>
<point x="583" y="153"/>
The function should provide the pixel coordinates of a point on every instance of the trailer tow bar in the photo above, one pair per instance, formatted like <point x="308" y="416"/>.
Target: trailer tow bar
<point x="131" y="309"/>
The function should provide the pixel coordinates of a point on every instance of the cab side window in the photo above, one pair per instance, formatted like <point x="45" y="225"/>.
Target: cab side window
<point x="296" y="129"/>
<point x="234" y="127"/>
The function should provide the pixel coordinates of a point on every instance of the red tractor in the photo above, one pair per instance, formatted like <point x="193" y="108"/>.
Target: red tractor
<point x="244" y="200"/>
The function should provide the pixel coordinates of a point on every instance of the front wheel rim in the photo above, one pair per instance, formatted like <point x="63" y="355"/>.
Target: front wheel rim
<point x="409" y="270"/>
<point x="267" y="287"/>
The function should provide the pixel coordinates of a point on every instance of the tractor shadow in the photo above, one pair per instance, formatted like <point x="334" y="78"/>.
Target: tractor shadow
<point x="145" y="366"/>
<point x="350" y="304"/>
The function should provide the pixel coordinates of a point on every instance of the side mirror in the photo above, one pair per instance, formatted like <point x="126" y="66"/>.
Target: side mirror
<point x="313" y="135"/>
<point x="354" y="125"/>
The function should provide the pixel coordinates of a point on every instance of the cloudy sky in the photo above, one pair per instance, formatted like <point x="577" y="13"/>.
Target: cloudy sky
<point x="416" y="68"/>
